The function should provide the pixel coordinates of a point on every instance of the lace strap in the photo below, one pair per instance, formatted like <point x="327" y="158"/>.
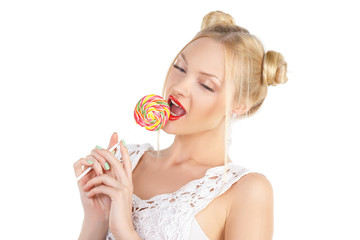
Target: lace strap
<point x="135" y="152"/>
<point x="215" y="185"/>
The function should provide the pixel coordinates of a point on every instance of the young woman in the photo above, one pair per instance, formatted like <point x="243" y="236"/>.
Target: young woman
<point x="190" y="190"/>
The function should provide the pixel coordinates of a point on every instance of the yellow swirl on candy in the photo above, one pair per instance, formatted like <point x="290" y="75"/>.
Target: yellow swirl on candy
<point x="152" y="112"/>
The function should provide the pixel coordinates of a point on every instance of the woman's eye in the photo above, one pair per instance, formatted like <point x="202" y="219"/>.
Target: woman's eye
<point x="211" y="90"/>
<point x="181" y="70"/>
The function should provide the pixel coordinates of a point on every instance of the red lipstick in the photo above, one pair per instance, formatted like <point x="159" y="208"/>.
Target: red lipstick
<point x="172" y="117"/>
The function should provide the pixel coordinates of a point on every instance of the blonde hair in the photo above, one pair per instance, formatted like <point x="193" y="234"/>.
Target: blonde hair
<point x="248" y="69"/>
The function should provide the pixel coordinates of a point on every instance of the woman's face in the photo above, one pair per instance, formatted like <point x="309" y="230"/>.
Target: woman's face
<point x="202" y="95"/>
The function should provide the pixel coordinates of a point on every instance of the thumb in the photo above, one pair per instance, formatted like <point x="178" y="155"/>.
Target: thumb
<point x="113" y="140"/>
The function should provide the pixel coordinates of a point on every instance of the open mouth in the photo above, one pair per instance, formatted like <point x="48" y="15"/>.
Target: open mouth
<point x="176" y="109"/>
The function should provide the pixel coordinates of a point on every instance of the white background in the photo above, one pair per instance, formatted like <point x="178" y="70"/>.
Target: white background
<point x="71" y="73"/>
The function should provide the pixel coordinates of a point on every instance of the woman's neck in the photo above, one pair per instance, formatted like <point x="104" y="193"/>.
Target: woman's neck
<point x="204" y="148"/>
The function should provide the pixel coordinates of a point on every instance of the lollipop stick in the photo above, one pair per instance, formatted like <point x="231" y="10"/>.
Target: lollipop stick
<point x="89" y="168"/>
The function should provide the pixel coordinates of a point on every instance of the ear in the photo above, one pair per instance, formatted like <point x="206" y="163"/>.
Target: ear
<point x="241" y="110"/>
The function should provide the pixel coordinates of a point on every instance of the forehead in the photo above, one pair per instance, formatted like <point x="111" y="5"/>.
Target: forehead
<point x="206" y="55"/>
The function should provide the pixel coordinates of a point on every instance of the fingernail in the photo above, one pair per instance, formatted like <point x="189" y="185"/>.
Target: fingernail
<point x="107" y="166"/>
<point x="89" y="161"/>
<point x="123" y="142"/>
<point x="98" y="147"/>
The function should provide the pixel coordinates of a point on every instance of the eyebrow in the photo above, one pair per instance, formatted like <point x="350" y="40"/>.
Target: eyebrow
<point x="203" y="73"/>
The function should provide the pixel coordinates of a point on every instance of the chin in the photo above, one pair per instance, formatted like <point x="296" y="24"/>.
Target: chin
<point x="171" y="128"/>
<point x="168" y="128"/>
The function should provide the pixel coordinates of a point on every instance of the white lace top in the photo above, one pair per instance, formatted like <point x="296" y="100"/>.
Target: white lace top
<point x="171" y="216"/>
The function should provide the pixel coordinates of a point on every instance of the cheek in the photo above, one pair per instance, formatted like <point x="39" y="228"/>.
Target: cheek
<point x="215" y="107"/>
<point x="209" y="107"/>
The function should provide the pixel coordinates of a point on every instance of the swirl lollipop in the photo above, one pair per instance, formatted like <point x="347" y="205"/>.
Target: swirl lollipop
<point x="152" y="112"/>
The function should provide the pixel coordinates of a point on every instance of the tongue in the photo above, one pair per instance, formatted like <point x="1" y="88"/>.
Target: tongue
<point x="177" y="110"/>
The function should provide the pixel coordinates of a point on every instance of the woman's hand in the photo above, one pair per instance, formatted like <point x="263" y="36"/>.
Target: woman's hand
<point x="97" y="208"/>
<point x="117" y="184"/>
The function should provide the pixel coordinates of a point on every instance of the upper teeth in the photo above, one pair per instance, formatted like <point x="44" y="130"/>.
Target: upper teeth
<point x="174" y="103"/>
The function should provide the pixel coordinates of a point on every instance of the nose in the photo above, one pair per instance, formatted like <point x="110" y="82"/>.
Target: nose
<point x="182" y="87"/>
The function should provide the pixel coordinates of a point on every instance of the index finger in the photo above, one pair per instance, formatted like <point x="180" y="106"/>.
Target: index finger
<point x="115" y="162"/>
<point x="113" y="140"/>
<point x="126" y="159"/>
<point x="116" y="167"/>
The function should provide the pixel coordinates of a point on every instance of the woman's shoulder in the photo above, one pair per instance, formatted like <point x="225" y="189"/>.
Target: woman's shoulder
<point x="251" y="202"/>
<point x="252" y="186"/>
<point x="254" y="180"/>
<point x="247" y="182"/>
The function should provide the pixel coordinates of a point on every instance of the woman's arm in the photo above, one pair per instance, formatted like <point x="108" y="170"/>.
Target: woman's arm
<point x="91" y="230"/>
<point x="251" y="213"/>
<point x="134" y="236"/>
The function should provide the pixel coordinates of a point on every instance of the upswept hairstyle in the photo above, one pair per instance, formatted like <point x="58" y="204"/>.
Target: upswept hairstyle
<point x="248" y="69"/>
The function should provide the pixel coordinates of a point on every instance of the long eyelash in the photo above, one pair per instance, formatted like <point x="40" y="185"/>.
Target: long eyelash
<point x="182" y="70"/>
<point x="211" y="90"/>
<point x="176" y="66"/>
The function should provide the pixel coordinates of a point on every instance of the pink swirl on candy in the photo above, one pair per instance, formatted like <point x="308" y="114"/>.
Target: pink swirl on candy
<point x="152" y="112"/>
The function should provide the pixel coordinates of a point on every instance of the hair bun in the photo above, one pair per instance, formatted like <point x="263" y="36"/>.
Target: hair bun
<point x="217" y="18"/>
<point x="274" y="68"/>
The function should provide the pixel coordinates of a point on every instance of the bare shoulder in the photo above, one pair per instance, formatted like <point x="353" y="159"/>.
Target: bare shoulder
<point x="251" y="212"/>
<point x="253" y="185"/>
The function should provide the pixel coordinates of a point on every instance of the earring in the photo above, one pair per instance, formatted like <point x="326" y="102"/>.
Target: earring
<point x="229" y="140"/>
